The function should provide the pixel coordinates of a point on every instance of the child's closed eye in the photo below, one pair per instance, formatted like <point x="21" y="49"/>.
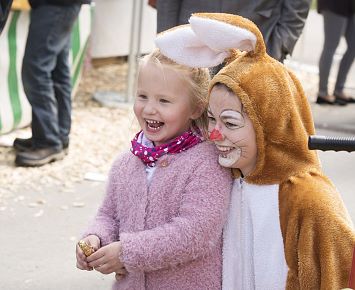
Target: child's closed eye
<point x="142" y="97"/>
<point x="164" y="101"/>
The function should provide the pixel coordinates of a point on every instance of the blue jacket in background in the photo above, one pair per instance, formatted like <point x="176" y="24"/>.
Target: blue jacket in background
<point x="36" y="3"/>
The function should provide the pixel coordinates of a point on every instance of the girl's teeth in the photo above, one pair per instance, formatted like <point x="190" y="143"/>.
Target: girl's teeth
<point x="152" y="122"/>
<point x="154" y="125"/>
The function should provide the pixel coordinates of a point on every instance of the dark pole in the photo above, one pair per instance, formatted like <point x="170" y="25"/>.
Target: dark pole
<point x="328" y="143"/>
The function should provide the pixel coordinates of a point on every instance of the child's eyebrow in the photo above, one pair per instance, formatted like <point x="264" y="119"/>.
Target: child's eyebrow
<point x="140" y="91"/>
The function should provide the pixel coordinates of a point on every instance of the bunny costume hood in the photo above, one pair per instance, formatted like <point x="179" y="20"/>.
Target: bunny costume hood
<point x="286" y="209"/>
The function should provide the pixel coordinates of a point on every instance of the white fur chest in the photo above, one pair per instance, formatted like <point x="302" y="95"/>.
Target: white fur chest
<point x="253" y="250"/>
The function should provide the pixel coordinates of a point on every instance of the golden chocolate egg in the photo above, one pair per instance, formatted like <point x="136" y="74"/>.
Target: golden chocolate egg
<point x="86" y="248"/>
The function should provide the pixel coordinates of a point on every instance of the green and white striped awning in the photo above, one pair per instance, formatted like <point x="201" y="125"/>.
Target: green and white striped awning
<point x="15" y="111"/>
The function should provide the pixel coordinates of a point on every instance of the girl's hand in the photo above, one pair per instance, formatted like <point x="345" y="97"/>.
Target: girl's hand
<point x="106" y="259"/>
<point x="121" y="274"/>
<point x="81" y="259"/>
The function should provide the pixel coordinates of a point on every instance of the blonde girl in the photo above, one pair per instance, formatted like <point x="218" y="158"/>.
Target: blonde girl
<point x="160" y="224"/>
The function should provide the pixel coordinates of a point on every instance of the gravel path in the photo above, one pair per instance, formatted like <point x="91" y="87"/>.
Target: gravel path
<point x="98" y="135"/>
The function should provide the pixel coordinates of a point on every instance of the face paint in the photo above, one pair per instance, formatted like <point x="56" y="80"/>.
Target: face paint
<point x="215" y="135"/>
<point x="228" y="156"/>
<point x="237" y="147"/>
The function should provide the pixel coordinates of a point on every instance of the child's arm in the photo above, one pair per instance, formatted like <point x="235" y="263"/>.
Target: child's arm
<point x="105" y="224"/>
<point x="189" y="236"/>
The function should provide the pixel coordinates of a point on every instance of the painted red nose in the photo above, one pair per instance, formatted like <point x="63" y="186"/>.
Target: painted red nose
<point x="215" y="135"/>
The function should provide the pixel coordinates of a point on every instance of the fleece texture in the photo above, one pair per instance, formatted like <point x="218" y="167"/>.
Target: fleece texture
<point x="317" y="231"/>
<point x="170" y="229"/>
<point x="252" y="239"/>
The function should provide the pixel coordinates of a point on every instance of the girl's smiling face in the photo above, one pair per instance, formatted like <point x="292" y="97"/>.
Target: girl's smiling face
<point x="236" y="141"/>
<point x="163" y="105"/>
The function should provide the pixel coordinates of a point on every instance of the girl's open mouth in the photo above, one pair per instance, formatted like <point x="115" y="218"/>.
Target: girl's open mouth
<point x="153" y="125"/>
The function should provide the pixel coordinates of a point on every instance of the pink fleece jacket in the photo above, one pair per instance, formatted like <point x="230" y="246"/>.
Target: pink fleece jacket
<point x="171" y="229"/>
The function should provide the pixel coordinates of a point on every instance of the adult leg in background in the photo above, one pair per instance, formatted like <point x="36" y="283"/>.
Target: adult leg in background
<point x="334" y="26"/>
<point x="347" y="60"/>
<point x="45" y="61"/>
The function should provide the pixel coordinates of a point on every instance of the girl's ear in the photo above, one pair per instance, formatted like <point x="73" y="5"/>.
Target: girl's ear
<point x="183" y="46"/>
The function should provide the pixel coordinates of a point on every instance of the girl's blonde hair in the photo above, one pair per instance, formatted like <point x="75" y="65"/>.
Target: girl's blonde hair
<point x="197" y="80"/>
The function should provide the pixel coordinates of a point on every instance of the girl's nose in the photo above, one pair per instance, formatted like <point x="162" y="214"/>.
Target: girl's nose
<point x="150" y="108"/>
<point x="216" y="135"/>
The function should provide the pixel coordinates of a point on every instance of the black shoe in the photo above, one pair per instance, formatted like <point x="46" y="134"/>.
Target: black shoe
<point x="39" y="156"/>
<point x="340" y="101"/>
<point x="23" y="144"/>
<point x="344" y="98"/>
<point x="323" y="101"/>
<point x="26" y="145"/>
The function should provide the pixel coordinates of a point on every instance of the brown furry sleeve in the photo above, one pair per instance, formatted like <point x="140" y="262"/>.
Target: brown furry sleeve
<point x="317" y="231"/>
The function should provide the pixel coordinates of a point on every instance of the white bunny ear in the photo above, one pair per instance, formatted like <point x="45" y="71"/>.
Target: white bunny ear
<point x="222" y="36"/>
<point x="182" y="46"/>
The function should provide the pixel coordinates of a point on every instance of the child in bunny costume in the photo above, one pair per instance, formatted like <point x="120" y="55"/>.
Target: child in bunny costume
<point x="288" y="227"/>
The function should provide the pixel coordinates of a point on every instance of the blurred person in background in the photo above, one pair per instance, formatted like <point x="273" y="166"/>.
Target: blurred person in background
<point x="339" y="20"/>
<point x="47" y="81"/>
<point x="5" y="6"/>
<point x="280" y="22"/>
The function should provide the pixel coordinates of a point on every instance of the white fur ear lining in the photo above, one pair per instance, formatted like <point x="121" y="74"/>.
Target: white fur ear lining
<point x="182" y="46"/>
<point x="221" y="36"/>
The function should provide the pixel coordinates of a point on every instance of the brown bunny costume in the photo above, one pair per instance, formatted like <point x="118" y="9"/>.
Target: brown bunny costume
<point x="287" y="227"/>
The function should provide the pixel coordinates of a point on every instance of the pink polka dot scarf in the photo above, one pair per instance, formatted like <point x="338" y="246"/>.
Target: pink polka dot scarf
<point x="149" y="155"/>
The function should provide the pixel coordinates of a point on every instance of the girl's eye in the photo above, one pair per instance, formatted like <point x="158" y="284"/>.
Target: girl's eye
<point x="143" y="97"/>
<point x="164" y="101"/>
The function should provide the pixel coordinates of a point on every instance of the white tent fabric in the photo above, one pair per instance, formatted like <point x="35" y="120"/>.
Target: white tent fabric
<point x="112" y="27"/>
